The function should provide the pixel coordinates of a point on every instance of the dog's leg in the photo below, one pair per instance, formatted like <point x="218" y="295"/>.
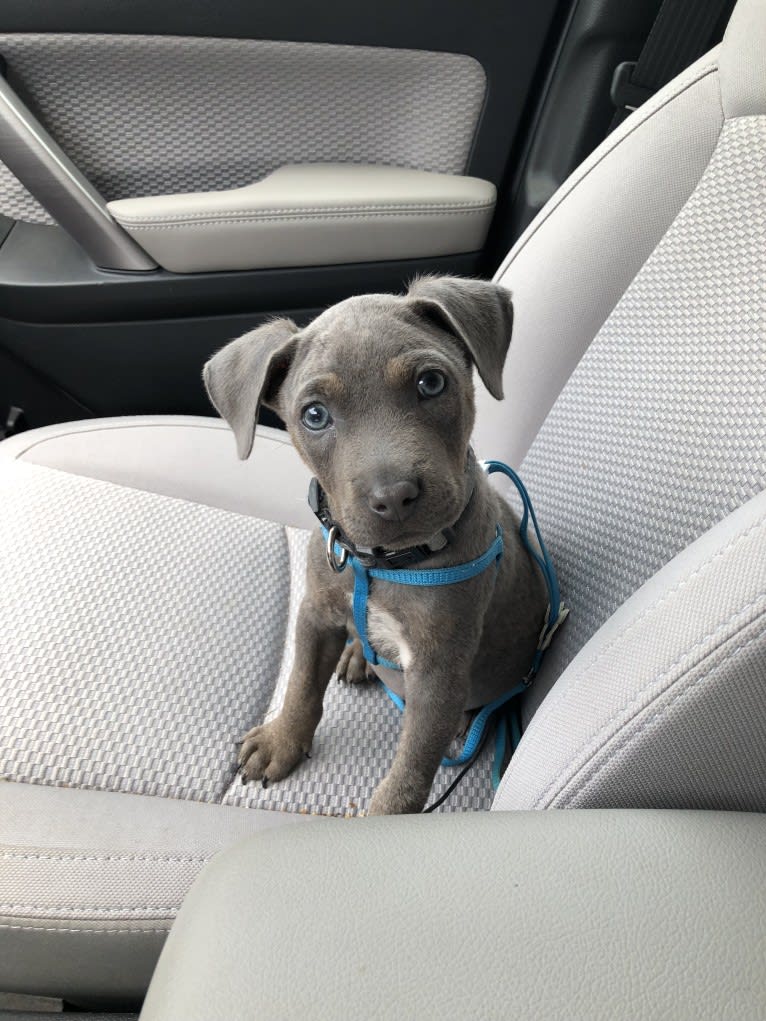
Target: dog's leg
<point x="352" y="666"/>
<point x="435" y="701"/>
<point x="271" y="751"/>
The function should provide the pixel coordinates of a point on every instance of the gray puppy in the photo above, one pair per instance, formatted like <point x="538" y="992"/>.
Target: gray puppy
<point x="378" y="398"/>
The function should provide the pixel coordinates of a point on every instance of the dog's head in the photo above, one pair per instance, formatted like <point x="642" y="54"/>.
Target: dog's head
<point x="377" y="395"/>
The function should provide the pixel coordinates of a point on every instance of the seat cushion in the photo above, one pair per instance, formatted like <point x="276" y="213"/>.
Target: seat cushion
<point x="149" y="586"/>
<point x="135" y="628"/>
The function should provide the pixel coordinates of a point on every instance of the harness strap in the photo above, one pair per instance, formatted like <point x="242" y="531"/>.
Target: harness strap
<point x="429" y="579"/>
<point x="554" y="618"/>
<point x="445" y="575"/>
<point x="478" y="724"/>
<point x="361" y="594"/>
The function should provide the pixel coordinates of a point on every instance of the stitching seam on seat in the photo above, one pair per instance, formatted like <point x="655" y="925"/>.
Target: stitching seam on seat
<point x="544" y="713"/>
<point x="650" y="682"/>
<point x="360" y="218"/>
<point x="38" y="928"/>
<point x="629" y="738"/>
<point x="292" y="211"/>
<point x="172" y="859"/>
<point x="38" y="780"/>
<point x="94" y="910"/>
<point x="212" y="427"/>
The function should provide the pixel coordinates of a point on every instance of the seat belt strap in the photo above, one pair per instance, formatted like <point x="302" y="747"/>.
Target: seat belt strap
<point x="682" y="31"/>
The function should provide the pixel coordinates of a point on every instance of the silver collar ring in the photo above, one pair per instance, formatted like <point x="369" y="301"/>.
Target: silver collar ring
<point x="337" y="563"/>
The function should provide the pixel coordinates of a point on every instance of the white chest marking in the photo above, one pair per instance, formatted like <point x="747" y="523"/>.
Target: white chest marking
<point x="386" y="637"/>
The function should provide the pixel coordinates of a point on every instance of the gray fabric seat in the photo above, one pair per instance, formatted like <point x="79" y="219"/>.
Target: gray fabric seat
<point x="205" y="584"/>
<point x="149" y="581"/>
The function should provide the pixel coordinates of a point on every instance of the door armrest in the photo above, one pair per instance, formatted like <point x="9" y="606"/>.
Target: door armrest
<point x="313" y="214"/>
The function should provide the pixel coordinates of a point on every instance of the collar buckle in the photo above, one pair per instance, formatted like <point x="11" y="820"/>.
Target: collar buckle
<point x="396" y="558"/>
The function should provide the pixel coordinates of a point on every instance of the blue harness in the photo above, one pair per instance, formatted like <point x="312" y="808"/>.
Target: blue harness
<point x="555" y="616"/>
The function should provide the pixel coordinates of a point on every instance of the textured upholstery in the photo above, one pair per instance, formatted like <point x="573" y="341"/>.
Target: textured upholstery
<point x="90" y="882"/>
<point x="659" y="433"/>
<point x="664" y="706"/>
<point x="655" y="440"/>
<point x="547" y="916"/>
<point x="164" y="627"/>
<point x="151" y="633"/>
<point x="148" y="115"/>
<point x="574" y="262"/>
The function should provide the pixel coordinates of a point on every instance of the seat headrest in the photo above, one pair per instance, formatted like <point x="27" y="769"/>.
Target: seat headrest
<point x="742" y="62"/>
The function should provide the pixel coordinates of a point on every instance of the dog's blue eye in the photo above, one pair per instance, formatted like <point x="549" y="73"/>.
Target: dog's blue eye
<point x="431" y="383"/>
<point x="316" y="417"/>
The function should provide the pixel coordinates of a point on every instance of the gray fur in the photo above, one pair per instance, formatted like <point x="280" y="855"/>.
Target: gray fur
<point x="239" y="377"/>
<point x="461" y="645"/>
<point x="480" y="317"/>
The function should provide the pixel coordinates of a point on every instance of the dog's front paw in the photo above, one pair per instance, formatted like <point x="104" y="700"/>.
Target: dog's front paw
<point x="393" y="798"/>
<point x="270" y="752"/>
<point x="352" y="666"/>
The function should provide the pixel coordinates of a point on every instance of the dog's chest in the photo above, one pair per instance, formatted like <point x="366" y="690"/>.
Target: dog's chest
<point x="386" y="636"/>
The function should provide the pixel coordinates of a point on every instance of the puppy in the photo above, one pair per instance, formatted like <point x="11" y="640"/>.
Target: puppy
<point x="378" y="397"/>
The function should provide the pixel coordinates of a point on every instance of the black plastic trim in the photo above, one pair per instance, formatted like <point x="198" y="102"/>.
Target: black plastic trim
<point x="45" y="277"/>
<point x="124" y="368"/>
<point x="5" y="227"/>
<point x="573" y="112"/>
<point x="43" y="400"/>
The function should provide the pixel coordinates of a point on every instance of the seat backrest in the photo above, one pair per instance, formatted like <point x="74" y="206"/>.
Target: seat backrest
<point x="655" y="251"/>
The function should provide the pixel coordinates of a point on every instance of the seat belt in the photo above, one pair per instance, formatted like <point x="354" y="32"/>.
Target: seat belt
<point x="682" y="31"/>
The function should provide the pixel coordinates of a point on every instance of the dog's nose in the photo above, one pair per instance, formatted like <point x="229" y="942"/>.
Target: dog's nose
<point x="394" y="502"/>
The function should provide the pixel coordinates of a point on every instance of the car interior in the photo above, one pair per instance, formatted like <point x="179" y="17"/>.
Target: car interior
<point x="174" y="174"/>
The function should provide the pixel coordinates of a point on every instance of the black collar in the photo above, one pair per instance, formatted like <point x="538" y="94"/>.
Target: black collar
<point x="377" y="556"/>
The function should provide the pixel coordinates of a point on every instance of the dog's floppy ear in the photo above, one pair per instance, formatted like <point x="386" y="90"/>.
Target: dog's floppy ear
<point x="477" y="313"/>
<point x="247" y="373"/>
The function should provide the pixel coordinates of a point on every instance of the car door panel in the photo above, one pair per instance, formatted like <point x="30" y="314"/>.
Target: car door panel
<point x="151" y="99"/>
<point x="150" y="115"/>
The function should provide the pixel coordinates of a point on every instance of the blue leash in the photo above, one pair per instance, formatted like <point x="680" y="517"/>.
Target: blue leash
<point x="556" y="614"/>
<point x="450" y="576"/>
